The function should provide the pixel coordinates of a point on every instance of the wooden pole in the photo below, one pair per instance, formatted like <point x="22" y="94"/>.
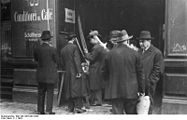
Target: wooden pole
<point x="79" y="47"/>
<point x="81" y="34"/>
<point x="60" y="89"/>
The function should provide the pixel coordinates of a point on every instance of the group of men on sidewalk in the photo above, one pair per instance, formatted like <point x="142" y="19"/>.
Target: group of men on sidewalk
<point x="117" y="72"/>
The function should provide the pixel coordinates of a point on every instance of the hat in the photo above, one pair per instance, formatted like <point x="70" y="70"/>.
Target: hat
<point x="115" y="35"/>
<point x="145" y="35"/>
<point x="71" y="36"/>
<point x="46" y="35"/>
<point x="124" y="36"/>
<point x="93" y="33"/>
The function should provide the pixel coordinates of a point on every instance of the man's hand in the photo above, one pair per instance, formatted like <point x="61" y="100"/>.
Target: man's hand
<point x="85" y="51"/>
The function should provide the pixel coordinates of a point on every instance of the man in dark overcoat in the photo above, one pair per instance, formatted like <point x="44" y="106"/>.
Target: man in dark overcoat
<point x="152" y="64"/>
<point x="71" y="61"/>
<point x="96" y="58"/>
<point x="124" y="73"/>
<point x="46" y="75"/>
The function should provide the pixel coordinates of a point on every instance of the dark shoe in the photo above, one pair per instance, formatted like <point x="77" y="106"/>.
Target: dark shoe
<point x="111" y="110"/>
<point x="96" y="105"/>
<point x="50" y="113"/>
<point x="41" y="113"/>
<point x="79" y="110"/>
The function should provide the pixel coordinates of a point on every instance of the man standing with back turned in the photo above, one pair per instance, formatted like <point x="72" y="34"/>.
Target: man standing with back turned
<point x="46" y="74"/>
<point x="123" y="70"/>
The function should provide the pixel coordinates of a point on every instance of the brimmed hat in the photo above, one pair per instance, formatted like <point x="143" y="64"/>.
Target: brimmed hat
<point x="115" y="35"/>
<point x="93" y="33"/>
<point x="145" y="35"/>
<point x="46" y="35"/>
<point x="71" y="36"/>
<point x="124" y="36"/>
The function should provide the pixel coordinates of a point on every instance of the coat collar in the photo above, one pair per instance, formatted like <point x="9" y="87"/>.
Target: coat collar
<point x="70" y="43"/>
<point x="148" y="51"/>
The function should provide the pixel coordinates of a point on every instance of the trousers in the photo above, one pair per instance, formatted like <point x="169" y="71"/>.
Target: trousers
<point x="43" y="90"/>
<point x="96" y="96"/>
<point x="121" y="105"/>
<point x="75" y="103"/>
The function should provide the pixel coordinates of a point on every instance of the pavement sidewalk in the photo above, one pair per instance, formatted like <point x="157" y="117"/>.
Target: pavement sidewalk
<point x="26" y="103"/>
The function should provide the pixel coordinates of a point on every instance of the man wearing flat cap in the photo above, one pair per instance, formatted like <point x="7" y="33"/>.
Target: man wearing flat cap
<point x="96" y="57"/>
<point x="152" y="64"/>
<point x="46" y="74"/>
<point x="123" y="72"/>
<point x="71" y="61"/>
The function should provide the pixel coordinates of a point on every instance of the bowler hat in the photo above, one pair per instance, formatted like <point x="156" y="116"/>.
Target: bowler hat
<point x="145" y="35"/>
<point x="93" y="33"/>
<point x="124" y="36"/>
<point x="46" y="35"/>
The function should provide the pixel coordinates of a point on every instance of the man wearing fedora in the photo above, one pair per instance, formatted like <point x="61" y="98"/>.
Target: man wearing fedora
<point x="152" y="64"/>
<point x="124" y="74"/>
<point x="124" y="35"/>
<point x="96" y="58"/>
<point x="71" y="61"/>
<point x="113" y="37"/>
<point x="46" y="74"/>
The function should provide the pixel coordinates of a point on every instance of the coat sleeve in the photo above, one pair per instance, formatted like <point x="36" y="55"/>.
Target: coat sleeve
<point x="157" y="65"/>
<point x="61" y="61"/>
<point x="77" y="60"/>
<point x="105" y="69"/>
<point x="93" y="55"/>
<point x="140" y="74"/>
<point x="55" y="56"/>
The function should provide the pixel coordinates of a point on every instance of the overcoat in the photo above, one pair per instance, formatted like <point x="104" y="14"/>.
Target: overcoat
<point x="47" y="60"/>
<point x="123" y="70"/>
<point x="70" y="57"/>
<point x="96" y="58"/>
<point x="152" y="67"/>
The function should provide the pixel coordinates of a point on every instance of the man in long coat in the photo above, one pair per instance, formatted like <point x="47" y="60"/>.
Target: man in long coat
<point x="96" y="58"/>
<point x="72" y="83"/>
<point x="152" y="64"/>
<point x="123" y="71"/>
<point x="46" y="74"/>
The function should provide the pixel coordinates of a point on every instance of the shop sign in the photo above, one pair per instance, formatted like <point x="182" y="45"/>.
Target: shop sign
<point x="29" y="19"/>
<point x="69" y="15"/>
